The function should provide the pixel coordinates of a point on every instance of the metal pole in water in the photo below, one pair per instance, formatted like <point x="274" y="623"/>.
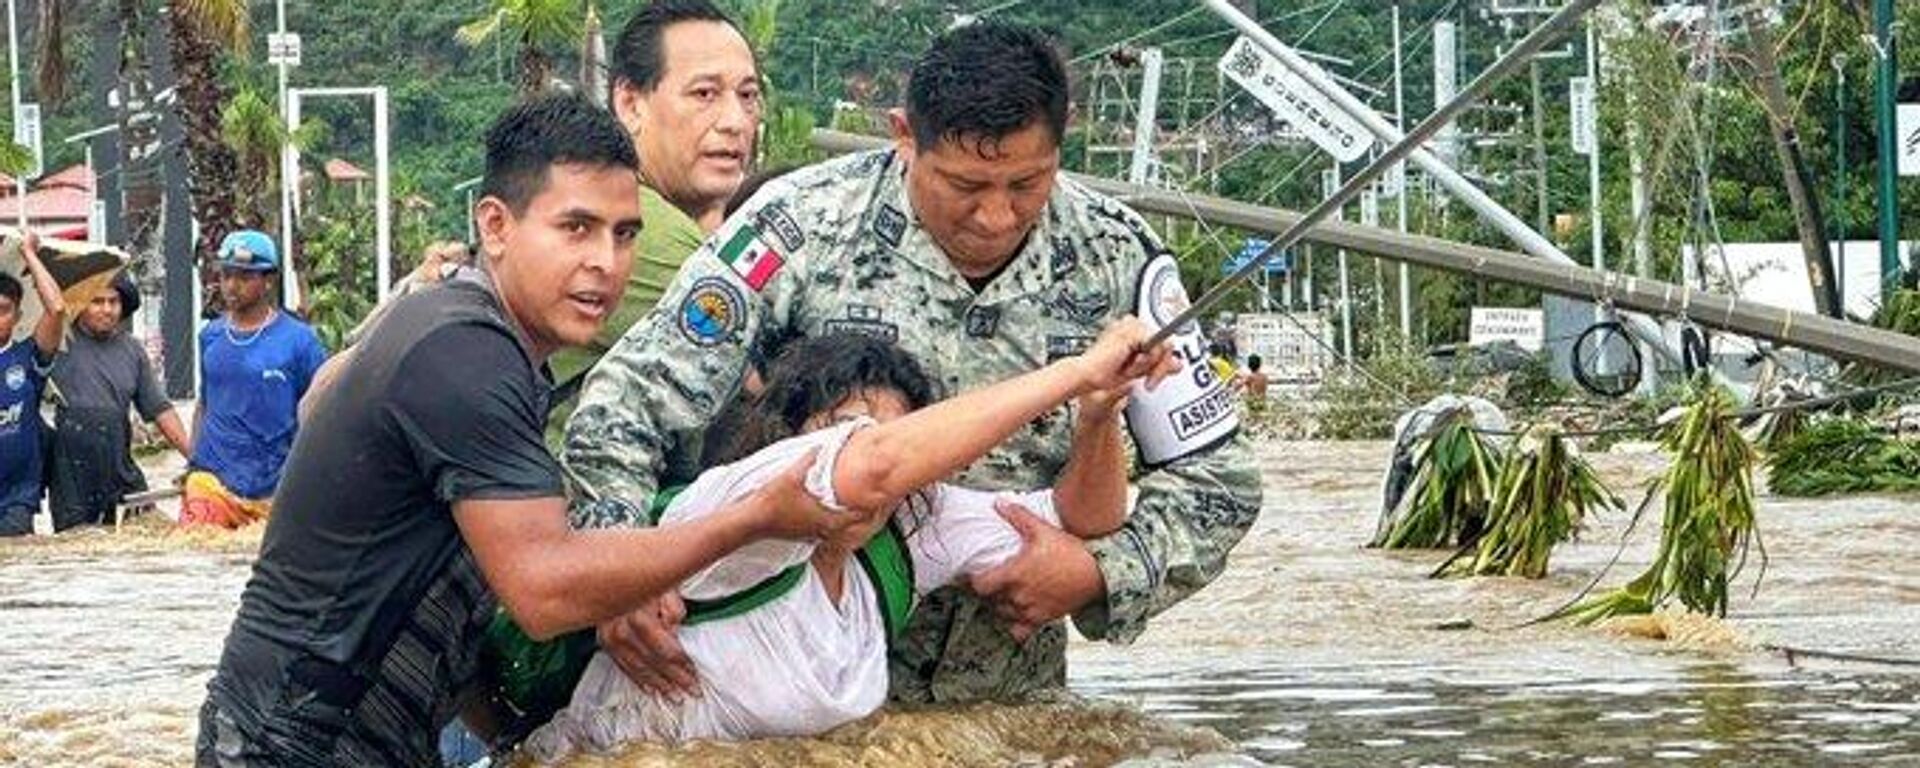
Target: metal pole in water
<point x="1407" y="146"/>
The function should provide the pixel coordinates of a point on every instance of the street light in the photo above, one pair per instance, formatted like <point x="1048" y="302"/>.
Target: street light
<point x="13" y="79"/>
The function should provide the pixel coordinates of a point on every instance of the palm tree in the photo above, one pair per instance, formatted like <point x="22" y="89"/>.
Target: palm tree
<point x="536" y="25"/>
<point x="253" y="132"/>
<point x="198" y="32"/>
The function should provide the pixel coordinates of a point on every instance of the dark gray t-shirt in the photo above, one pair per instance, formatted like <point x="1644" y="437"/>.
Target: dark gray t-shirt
<point x="364" y="589"/>
<point x="108" y="373"/>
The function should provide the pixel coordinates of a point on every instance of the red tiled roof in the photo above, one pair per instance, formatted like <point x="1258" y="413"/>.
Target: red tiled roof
<point x="45" y="206"/>
<point x="341" y="170"/>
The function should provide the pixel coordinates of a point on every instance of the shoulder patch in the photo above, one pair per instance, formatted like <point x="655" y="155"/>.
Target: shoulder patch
<point x="774" y="218"/>
<point x="890" y="225"/>
<point x="751" y="257"/>
<point x="713" y="312"/>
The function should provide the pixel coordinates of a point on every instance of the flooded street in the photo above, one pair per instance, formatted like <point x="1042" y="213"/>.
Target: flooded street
<point x="1308" y="651"/>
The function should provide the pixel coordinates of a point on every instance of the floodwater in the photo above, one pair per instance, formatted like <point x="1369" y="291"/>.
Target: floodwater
<point x="1308" y="651"/>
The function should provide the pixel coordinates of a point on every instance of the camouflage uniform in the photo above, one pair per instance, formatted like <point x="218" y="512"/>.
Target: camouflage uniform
<point x="835" y="247"/>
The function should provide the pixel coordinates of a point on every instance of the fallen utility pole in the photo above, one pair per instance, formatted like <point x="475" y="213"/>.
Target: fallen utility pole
<point x="1442" y="174"/>
<point x="1797" y="177"/>
<point x="1442" y="116"/>
<point x="1835" y="338"/>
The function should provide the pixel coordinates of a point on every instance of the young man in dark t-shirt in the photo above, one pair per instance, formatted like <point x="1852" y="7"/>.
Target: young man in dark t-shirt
<point x="419" y="488"/>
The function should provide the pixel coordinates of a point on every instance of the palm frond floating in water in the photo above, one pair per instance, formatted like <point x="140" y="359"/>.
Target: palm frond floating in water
<point x="1542" y="498"/>
<point x="1708" y="524"/>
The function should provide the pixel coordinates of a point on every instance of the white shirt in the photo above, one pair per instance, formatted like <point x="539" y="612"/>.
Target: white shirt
<point x="801" y="664"/>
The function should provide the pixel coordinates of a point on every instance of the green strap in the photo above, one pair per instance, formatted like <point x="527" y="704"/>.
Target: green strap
<point x="729" y="606"/>
<point x="661" y="500"/>
<point x="884" y="558"/>
<point x="890" y="567"/>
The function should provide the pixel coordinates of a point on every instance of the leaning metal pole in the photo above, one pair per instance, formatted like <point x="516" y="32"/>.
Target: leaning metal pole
<point x="1536" y="40"/>
<point x="1529" y="241"/>
<point x="1804" y="330"/>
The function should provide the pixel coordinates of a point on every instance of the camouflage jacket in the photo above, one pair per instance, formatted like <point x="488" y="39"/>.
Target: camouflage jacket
<point x="835" y="247"/>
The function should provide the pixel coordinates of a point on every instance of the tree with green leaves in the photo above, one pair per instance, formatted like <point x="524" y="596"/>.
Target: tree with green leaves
<point x="253" y="131"/>
<point x="535" y="26"/>
<point x="199" y="32"/>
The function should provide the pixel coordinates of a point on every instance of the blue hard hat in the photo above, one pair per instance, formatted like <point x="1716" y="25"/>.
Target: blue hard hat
<point x="250" y="250"/>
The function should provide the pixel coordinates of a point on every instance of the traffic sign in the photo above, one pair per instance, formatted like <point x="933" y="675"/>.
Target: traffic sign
<point x="1909" y="133"/>
<point x="1295" y="101"/>
<point x="1280" y="264"/>
<point x="26" y="133"/>
<point x="283" y="48"/>
<point x="1580" y="94"/>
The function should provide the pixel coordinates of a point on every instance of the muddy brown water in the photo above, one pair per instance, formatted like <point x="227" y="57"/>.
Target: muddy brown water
<point x="1308" y="651"/>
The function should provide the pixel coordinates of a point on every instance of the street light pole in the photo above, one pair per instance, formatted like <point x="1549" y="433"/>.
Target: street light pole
<point x="1400" y="123"/>
<point x="1884" y="86"/>
<point x="1842" y="222"/>
<point x="13" y="79"/>
<point x="289" y="172"/>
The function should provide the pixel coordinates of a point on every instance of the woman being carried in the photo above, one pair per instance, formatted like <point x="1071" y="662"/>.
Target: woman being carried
<point x="790" y="638"/>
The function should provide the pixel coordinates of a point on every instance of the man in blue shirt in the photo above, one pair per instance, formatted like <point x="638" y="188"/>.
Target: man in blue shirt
<point x="255" y="363"/>
<point x="23" y="374"/>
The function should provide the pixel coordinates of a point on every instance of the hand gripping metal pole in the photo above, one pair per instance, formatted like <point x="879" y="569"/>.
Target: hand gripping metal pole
<point x="1552" y="29"/>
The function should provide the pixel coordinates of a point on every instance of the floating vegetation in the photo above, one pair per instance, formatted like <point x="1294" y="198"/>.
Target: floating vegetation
<point x="1839" y="456"/>
<point x="1542" y="498"/>
<point x="1445" y="505"/>
<point x="1708" y="523"/>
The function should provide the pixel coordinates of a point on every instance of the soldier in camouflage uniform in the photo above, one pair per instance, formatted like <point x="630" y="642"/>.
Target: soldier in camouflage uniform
<point x="964" y="245"/>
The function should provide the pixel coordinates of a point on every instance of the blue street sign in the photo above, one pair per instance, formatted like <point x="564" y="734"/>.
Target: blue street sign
<point x="1279" y="265"/>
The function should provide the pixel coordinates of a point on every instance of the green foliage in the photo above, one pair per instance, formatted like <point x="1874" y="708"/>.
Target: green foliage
<point x="1840" y="456"/>
<point x="1900" y="314"/>
<point x="787" y="138"/>
<point x="1542" y="498"/>
<point x="1708" y="523"/>
<point x="253" y="129"/>
<point x="338" y="250"/>
<point x="1358" y="407"/>
<point x="1453" y="486"/>
<point x="1533" y="384"/>
<point x="14" y="159"/>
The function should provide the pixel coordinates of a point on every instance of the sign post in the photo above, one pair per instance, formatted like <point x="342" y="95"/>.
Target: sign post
<point x="1580" y="94"/>
<point x="1909" y="134"/>
<point x="283" y="48"/>
<point x="1296" y="101"/>
<point x="1526" y="328"/>
<point x="26" y="133"/>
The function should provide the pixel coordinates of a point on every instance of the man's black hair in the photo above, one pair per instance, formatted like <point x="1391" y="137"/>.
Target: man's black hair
<point x="1253" y="363"/>
<point x="638" y="55"/>
<point x="982" y="82"/>
<point x="814" y="374"/>
<point x="533" y="136"/>
<point x="10" y="288"/>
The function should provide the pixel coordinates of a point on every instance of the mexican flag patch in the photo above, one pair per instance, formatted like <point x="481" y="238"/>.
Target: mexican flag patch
<point x="751" y="257"/>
